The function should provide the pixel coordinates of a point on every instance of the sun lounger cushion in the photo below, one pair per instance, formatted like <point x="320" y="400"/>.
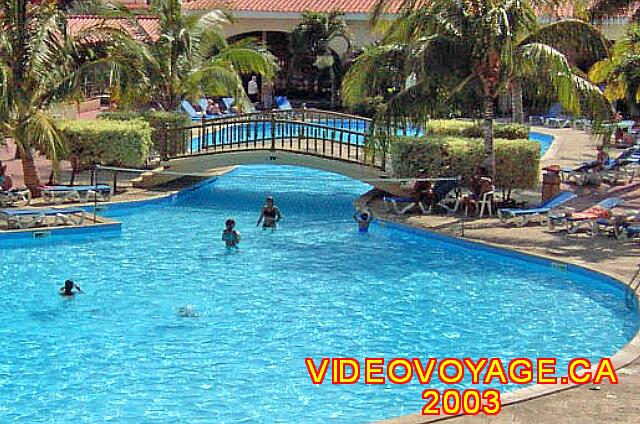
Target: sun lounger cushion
<point x="101" y="188"/>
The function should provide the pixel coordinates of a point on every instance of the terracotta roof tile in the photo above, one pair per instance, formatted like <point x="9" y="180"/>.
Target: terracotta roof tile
<point x="298" y="6"/>
<point x="150" y="27"/>
<point x="290" y="6"/>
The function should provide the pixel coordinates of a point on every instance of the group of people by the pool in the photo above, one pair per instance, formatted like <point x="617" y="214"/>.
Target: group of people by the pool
<point x="271" y="215"/>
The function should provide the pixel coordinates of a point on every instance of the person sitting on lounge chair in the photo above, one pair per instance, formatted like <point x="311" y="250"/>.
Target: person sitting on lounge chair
<point x="480" y="184"/>
<point x="601" y="159"/>
<point x="421" y="190"/>
<point x="67" y="289"/>
<point x="213" y="108"/>
<point x="7" y="183"/>
<point x="363" y="218"/>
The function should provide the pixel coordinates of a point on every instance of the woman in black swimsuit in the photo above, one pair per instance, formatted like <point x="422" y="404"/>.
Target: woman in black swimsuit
<point x="270" y="214"/>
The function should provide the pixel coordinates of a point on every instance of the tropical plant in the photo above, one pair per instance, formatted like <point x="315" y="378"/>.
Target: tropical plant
<point x="41" y="63"/>
<point x="620" y="72"/>
<point x="311" y="38"/>
<point x="484" y="44"/>
<point x="192" y="56"/>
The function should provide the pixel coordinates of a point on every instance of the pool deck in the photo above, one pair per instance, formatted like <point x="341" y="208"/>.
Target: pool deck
<point x="567" y="404"/>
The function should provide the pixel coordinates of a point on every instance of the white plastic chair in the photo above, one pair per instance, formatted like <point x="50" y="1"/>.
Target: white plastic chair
<point x="486" y="203"/>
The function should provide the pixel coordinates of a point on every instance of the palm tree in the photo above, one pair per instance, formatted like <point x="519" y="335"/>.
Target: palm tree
<point x="192" y="56"/>
<point x="485" y="44"/>
<point x="40" y="63"/>
<point x="621" y="71"/>
<point x="311" y="39"/>
<point x="574" y="38"/>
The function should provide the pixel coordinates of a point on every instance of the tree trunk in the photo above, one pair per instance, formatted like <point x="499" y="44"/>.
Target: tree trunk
<point x="333" y="87"/>
<point x="516" y="103"/>
<point x="31" y="179"/>
<point x="487" y="127"/>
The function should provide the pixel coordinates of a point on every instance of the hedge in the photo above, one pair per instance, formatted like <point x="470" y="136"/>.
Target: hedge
<point x="473" y="129"/>
<point x="107" y="142"/>
<point x="517" y="161"/>
<point x="157" y="120"/>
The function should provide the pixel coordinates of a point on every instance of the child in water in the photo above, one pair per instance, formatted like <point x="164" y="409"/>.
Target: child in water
<point x="230" y="235"/>
<point x="363" y="218"/>
<point x="67" y="289"/>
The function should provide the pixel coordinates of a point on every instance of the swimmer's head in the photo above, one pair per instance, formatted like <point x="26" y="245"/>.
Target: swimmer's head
<point x="230" y="223"/>
<point x="68" y="285"/>
<point x="269" y="200"/>
<point x="364" y="215"/>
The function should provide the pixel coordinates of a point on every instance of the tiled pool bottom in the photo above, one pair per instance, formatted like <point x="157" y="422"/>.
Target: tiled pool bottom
<point x="313" y="288"/>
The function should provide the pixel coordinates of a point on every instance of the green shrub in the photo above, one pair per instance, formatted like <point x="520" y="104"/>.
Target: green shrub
<point x="107" y="142"/>
<point x="517" y="161"/>
<point x="158" y="122"/>
<point x="473" y="129"/>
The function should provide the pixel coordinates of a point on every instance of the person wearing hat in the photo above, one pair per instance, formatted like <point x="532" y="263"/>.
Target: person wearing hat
<point x="270" y="214"/>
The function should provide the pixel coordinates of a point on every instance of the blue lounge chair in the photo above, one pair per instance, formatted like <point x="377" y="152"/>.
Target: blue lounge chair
<point x="553" y="117"/>
<point x="194" y="114"/>
<point x="228" y="105"/>
<point x="25" y="218"/>
<point x="540" y="211"/>
<point x="11" y="197"/>
<point x="283" y="103"/>
<point x="59" y="194"/>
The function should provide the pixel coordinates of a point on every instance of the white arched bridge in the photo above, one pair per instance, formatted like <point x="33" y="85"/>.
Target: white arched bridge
<point x="329" y="141"/>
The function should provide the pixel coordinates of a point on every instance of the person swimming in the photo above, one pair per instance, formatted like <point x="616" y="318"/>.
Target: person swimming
<point x="67" y="289"/>
<point x="230" y="235"/>
<point x="187" y="311"/>
<point x="363" y="218"/>
<point x="270" y="214"/>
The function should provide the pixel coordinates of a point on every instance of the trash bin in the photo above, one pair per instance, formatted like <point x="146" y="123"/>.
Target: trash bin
<point x="550" y="182"/>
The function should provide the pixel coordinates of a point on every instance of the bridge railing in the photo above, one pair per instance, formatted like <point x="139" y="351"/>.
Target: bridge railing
<point x="307" y="131"/>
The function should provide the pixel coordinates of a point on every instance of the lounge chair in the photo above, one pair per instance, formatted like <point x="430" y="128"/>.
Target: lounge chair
<point x="59" y="194"/>
<point x="26" y="218"/>
<point x="11" y="197"/>
<point x="188" y="108"/>
<point x="523" y="216"/>
<point x="402" y="205"/>
<point x="443" y="192"/>
<point x="283" y="103"/>
<point x="552" y="113"/>
<point x="228" y="103"/>
<point x="573" y="221"/>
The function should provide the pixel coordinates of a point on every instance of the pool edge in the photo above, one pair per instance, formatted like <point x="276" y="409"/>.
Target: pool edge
<point x="629" y="353"/>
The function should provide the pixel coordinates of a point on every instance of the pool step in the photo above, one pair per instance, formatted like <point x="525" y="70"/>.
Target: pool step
<point x="153" y="178"/>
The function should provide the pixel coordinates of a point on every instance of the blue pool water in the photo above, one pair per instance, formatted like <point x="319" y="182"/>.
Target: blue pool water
<point x="313" y="288"/>
<point x="545" y="141"/>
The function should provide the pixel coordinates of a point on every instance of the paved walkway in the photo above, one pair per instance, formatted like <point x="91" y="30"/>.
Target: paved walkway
<point x="611" y="403"/>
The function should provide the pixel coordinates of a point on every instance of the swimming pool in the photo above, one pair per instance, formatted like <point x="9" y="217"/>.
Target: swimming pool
<point x="313" y="288"/>
<point x="545" y="141"/>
